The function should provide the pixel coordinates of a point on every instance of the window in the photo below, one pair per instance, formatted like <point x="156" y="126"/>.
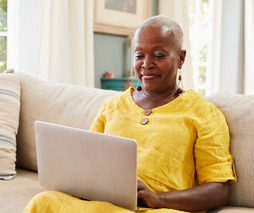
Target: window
<point x="9" y="34"/>
<point x="201" y="20"/>
<point x="3" y="35"/>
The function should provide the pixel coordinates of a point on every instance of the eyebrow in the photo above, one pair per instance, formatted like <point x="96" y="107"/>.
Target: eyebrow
<point x="154" y="48"/>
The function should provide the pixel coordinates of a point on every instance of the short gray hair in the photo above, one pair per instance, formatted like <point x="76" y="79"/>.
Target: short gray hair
<point x="161" y="22"/>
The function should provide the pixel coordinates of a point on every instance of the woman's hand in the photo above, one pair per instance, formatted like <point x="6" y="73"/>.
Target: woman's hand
<point x="198" y="198"/>
<point x="146" y="197"/>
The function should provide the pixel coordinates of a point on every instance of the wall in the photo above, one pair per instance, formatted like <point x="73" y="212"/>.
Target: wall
<point x="109" y="55"/>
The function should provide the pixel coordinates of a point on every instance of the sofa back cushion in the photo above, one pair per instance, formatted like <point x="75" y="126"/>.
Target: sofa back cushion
<point x="69" y="105"/>
<point x="239" y="113"/>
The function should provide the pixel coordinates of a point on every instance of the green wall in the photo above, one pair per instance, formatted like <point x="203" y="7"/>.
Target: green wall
<point x="109" y="55"/>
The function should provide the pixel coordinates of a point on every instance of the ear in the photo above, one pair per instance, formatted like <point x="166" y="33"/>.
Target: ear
<point x="182" y="56"/>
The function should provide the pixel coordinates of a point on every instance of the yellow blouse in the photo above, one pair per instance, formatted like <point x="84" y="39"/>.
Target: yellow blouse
<point x="184" y="141"/>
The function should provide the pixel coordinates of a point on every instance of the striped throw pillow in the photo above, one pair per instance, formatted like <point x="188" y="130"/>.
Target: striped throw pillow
<point x="9" y="121"/>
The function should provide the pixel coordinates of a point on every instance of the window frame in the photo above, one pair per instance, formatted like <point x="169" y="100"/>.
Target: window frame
<point x="13" y="34"/>
<point x="5" y="34"/>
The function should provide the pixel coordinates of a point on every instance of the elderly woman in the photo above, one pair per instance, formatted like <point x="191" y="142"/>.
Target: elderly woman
<point x="183" y="141"/>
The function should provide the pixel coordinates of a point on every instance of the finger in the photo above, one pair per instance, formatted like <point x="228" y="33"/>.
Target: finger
<point x="140" y="194"/>
<point x="141" y="185"/>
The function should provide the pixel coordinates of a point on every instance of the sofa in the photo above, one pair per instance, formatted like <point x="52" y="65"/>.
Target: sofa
<point x="76" y="106"/>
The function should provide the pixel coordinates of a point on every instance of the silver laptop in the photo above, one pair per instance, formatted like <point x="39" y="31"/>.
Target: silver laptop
<point x="86" y="164"/>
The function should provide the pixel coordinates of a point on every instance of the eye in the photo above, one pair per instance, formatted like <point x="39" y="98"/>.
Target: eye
<point x="138" y="55"/>
<point x="159" y="56"/>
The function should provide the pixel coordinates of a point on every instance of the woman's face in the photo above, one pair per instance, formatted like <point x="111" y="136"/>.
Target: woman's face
<point x="156" y="59"/>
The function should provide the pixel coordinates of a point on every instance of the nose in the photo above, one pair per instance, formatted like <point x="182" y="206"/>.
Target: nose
<point x="148" y="63"/>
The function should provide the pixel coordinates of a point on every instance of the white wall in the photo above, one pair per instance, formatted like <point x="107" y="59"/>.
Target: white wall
<point x="30" y="17"/>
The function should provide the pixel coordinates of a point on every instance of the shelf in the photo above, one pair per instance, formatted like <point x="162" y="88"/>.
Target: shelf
<point x="118" y="84"/>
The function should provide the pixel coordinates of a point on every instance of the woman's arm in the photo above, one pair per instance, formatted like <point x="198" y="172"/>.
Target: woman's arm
<point x="198" y="198"/>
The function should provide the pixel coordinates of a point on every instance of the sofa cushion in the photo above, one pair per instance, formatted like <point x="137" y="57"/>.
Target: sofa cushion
<point x="15" y="194"/>
<point x="48" y="101"/>
<point x="231" y="209"/>
<point x="239" y="113"/>
<point x="9" y="121"/>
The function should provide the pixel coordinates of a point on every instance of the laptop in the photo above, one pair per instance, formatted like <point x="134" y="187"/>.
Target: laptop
<point x="86" y="164"/>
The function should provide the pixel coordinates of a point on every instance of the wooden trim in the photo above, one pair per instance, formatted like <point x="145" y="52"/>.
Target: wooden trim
<point x="115" y="30"/>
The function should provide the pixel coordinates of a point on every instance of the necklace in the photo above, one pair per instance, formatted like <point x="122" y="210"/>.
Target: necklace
<point x="147" y="112"/>
<point x="177" y="92"/>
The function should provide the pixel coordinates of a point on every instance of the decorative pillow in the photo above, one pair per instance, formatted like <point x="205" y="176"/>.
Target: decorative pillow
<point x="9" y="121"/>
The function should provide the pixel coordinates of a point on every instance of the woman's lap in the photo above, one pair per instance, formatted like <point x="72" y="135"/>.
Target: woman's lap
<point x="52" y="201"/>
<point x="58" y="202"/>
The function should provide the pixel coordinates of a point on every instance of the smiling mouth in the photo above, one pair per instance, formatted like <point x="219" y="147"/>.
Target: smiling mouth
<point x="148" y="77"/>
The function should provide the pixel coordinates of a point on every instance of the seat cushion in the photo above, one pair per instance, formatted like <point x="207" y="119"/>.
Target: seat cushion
<point x="231" y="209"/>
<point x="16" y="194"/>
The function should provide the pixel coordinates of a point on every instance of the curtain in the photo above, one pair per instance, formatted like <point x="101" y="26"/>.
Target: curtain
<point x="248" y="46"/>
<point x="232" y="46"/>
<point x="237" y="64"/>
<point x="177" y="10"/>
<point x="216" y="44"/>
<point x="66" y="44"/>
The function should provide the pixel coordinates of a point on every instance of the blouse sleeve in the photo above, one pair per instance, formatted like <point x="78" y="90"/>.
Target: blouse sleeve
<point x="214" y="163"/>
<point x="98" y="123"/>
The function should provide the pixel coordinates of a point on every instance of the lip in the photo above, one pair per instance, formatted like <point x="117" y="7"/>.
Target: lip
<point x="149" y="76"/>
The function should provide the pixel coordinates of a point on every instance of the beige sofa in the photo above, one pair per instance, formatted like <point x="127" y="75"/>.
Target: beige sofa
<point x="76" y="106"/>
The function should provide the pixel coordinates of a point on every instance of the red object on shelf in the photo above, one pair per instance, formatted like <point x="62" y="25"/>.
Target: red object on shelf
<point x="109" y="75"/>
